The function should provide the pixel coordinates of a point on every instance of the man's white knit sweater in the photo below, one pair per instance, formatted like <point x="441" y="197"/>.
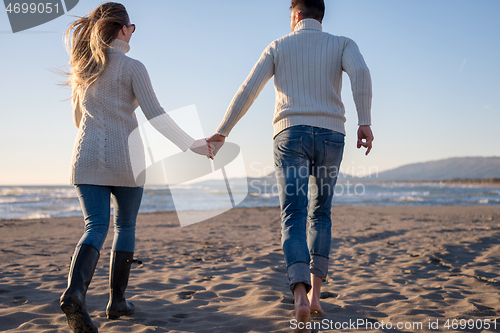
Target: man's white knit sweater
<point x="307" y="66"/>
<point x="105" y="118"/>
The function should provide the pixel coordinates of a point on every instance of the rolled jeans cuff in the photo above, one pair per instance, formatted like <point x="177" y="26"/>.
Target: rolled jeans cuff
<point x="299" y="272"/>
<point x="319" y="266"/>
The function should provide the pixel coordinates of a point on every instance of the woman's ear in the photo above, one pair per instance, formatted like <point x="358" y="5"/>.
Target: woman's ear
<point x="122" y="33"/>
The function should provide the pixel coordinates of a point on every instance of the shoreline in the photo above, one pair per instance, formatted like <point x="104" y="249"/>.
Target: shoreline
<point x="151" y="214"/>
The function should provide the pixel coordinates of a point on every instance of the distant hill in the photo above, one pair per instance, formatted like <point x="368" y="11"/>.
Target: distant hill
<point x="458" y="168"/>
<point x="447" y="169"/>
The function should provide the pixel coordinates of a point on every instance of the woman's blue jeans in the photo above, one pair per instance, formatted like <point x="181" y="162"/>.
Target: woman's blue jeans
<point x="95" y="202"/>
<point x="306" y="156"/>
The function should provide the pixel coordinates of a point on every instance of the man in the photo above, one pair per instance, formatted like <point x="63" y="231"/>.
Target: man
<point x="308" y="137"/>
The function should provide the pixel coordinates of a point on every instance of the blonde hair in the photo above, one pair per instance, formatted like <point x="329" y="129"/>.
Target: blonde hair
<point x="88" y="40"/>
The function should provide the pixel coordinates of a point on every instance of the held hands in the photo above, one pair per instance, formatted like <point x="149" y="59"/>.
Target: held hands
<point x="365" y="133"/>
<point x="209" y="146"/>
<point x="215" y="142"/>
<point x="202" y="147"/>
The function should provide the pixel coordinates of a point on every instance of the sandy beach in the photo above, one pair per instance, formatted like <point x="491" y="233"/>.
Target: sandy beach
<point x="407" y="265"/>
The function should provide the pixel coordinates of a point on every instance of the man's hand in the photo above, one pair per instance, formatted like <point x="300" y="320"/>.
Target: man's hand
<point x="216" y="141"/>
<point x="202" y="147"/>
<point x="365" y="133"/>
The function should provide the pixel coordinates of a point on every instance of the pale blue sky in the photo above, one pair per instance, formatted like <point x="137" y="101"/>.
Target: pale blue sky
<point x="434" y="68"/>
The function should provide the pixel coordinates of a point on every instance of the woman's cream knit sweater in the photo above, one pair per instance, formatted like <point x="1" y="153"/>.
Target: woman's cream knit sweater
<point x="105" y="118"/>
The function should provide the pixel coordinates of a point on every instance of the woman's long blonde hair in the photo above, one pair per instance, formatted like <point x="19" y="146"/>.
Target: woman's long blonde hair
<point x="88" y="40"/>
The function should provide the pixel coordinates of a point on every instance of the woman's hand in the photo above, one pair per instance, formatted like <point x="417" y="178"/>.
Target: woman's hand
<point x="202" y="147"/>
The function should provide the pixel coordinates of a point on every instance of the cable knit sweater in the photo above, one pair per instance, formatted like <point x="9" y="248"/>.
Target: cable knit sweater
<point x="105" y="118"/>
<point x="307" y="66"/>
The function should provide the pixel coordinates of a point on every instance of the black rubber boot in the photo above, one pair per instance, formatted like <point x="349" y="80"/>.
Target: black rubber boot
<point x="73" y="299"/>
<point x="118" y="280"/>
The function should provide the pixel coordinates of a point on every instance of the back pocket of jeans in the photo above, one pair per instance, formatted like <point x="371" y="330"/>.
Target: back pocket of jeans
<point x="333" y="154"/>
<point x="288" y="152"/>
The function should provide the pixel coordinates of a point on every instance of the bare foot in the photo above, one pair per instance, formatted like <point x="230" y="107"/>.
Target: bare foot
<point x="315" y="305"/>
<point x="302" y="311"/>
<point x="302" y="314"/>
<point x="314" y="295"/>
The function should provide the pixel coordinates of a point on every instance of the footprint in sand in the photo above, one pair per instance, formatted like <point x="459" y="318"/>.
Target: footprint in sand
<point x="174" y="320"/>
<point x="186" y="294"/>
<point x="181" y="315"/>
<point x="327" y="294"/>
<point x="18" y="300"/>
<point x="177" y="318"/>
<point x="483" y="311"/>
<point x="206" y="278"/>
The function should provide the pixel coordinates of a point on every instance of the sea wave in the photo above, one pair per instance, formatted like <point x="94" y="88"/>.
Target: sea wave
<point x="264" y="195"/>
<point x="14" y="200"/>
<point x="36" y="215"/>
<point x="409" y="199"/>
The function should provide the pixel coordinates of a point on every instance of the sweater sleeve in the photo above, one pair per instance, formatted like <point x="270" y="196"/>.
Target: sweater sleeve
<point x="77" y="111"/>
<point x="361" y="85"/>
<point x="143" y="90"/>
<point x="261" y="73"/>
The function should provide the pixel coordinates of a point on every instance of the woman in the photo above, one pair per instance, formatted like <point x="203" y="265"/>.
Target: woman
<point x="107" y="88"/>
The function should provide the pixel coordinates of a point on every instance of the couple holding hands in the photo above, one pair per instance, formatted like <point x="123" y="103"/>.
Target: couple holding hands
<point x="107" y="87"/>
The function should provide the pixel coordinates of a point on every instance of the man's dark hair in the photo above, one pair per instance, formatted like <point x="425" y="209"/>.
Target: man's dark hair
<point x="314" y="9"/>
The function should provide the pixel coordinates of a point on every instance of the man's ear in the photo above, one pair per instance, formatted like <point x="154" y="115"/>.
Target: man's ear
<point x="299" y="17"/>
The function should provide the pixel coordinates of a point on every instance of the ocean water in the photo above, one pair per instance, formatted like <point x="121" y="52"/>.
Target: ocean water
<point x="28" y="202"/>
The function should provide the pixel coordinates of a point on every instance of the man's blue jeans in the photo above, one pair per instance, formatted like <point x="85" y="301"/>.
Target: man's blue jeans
<point x="95" y="202"/>
<point x="306" y="155"/>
